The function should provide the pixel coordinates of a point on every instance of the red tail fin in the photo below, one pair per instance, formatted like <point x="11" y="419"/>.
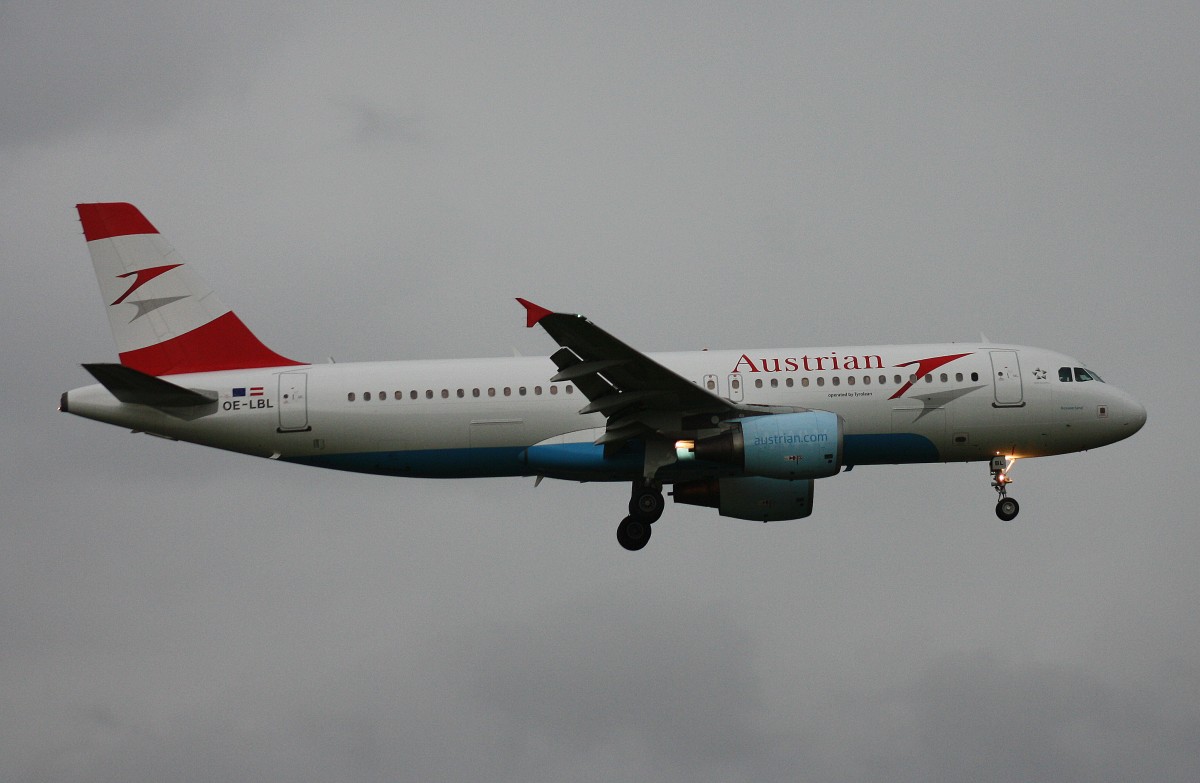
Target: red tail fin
<point x="165" y="319"/>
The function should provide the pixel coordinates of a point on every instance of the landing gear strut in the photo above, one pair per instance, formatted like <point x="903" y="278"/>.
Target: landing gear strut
<point x="1006" y="507"/>
<point x="646" y="504"/>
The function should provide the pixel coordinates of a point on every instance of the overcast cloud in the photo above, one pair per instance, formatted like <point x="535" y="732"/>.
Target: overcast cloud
<point x="367" y="183"/>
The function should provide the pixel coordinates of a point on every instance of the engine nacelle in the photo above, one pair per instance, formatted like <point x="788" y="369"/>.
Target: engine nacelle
<point x="783" y="446"/>
<point x="750" y="497"/>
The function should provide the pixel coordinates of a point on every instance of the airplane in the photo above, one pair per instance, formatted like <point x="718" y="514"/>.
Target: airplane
<point x="744" y="431"/>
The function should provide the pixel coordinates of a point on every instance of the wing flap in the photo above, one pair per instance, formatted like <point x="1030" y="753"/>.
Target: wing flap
<point x="616" y="402"/>
<point x="590" y="383"/>
<point x="620" y="435"/>
<point x="586" y="368"/>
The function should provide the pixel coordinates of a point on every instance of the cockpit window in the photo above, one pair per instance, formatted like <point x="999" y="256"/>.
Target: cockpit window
<point x="1064" y="374"/>
<point x="1083" y="375"/>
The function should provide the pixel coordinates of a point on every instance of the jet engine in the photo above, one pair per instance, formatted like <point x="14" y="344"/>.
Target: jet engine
<point x="750" y="497"/>
<point x="792" y="446"/>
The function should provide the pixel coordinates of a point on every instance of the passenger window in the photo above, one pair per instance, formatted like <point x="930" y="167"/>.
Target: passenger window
<point x="474" y="392"/>
<point x="445" y="394"/>
<point x="866" y="380"/>
<point x="928" y="379"/>
<point x="461" y="394"/>
<point x="367" y="396"/>
<point x="850" y="381"/>
<point x="554" y="390"/>
<point x="521" y="391"/>
<point x="774" y="383"/>
<point x="383" y="395"/>
<point x="712" y="385"/>
<point x="974" y="377"/>
<point x="429" y="394"/>
<point x="758" y="383"/>
<point x="1064" y="374"/>
<point x="412" y="395"/>
<point x="788" y="382"/>
<point x="537" y="389"/>
<point x="507" y="391"/>
<point x="491" y="391"/>
<point x="350" y="397"/>
<point x="804" y="382"/>
<point x="820" y="380"/>
<point x="945" y="377"/>
<point x="837" y="381"/>
<point x="958" y="377"/>
<point x="883" y="380"/>
<point x="570" y="389"/>
<point x="399" y="395"/>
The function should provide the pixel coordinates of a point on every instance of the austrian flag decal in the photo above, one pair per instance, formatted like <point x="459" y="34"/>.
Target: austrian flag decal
<point x="253" y="391"/>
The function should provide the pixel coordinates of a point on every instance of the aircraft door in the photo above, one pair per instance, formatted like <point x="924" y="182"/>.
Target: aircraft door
<point x="735" y="386"/>
<point x="293" y="402"/>
<point x="1006" y="375"/>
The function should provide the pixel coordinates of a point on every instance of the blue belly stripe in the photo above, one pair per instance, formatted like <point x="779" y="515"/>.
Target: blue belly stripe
<point x="583" y="461"/>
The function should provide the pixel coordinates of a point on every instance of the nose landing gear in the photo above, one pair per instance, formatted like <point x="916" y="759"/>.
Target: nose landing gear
<point x="646" y="505"/>
<point x="1006" y="507"/>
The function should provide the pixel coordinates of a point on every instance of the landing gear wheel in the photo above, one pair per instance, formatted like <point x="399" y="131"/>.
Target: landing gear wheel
<point x="633" y="534"/>
<point x="1007" y="509"/>
<point x="647" y="504"/>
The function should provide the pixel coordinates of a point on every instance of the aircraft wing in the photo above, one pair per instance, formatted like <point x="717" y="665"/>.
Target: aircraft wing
<point x="636" y="394"/>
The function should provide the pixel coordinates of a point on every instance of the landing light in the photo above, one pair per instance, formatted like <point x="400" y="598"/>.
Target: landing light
<point x="1002" y="477"/>
<point x="685" y="450"/>
<point x="1009" y="461"/>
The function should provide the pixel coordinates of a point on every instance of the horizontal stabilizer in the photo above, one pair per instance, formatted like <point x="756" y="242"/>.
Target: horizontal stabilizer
<point x="131" y="386"/>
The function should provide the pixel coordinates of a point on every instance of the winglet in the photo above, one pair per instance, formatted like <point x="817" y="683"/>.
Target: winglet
<point x="533" y="313"/>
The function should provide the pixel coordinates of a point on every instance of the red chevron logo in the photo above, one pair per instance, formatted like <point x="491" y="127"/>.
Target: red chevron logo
<point x="143" y="276"/>
<point x="924" y="367"/>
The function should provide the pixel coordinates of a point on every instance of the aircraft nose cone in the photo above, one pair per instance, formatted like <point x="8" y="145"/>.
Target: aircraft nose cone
<point x="1137" y="415"/>
<point x="1128" y="413"/>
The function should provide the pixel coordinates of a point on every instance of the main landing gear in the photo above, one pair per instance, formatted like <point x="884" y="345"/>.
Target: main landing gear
<point x="646" y="505"/>
<point x="1006" y="507"/>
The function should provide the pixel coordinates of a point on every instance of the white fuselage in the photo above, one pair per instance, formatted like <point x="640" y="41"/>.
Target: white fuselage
<point x="502" y="417"/>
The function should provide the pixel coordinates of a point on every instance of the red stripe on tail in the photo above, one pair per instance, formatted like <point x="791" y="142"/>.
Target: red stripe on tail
<point x="221" y="344"/>
<point x="102" y="221"/>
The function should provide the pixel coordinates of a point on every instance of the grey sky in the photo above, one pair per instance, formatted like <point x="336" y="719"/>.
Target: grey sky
<point x="379" y="183"/>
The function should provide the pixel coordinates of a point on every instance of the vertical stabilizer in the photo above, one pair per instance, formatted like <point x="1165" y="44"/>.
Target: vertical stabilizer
<point x="165" y="319"/>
